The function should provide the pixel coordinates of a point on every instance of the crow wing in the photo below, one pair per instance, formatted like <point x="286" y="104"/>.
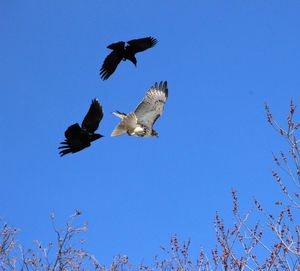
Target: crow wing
<point x="119" y="46"/>
<point x="75" y="140"/>
<point x="140" y="45"/>
<point x="73" y="131"/>
<point x="93" y="117"/>
<point x="150" y="109"/>
<point x="110" y="64"/>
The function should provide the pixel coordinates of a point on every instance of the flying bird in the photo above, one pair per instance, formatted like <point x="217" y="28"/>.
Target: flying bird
<point x="141" y="121"/>
<point x="79" y="138"/>
<point x="120" y="51"/>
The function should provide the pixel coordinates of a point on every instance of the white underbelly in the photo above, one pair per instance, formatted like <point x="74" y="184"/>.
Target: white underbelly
<point x="138" y="130"/>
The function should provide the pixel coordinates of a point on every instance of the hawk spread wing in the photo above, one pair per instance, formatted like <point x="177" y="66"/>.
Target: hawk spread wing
<point x="140" y="45"/>
<point x="93" y="117"/>
<point x="150" y="109"/>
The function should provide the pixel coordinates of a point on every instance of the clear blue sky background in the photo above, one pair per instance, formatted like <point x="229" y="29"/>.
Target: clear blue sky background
<point x="222" y="60"/>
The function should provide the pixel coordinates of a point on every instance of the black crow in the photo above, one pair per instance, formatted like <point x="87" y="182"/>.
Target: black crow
<point x="120" y="51"/>
<point x="79" y="138"/>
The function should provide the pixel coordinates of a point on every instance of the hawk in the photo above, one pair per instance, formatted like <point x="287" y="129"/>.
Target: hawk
<point x="141" y="121"/>
<point x="120" y="51"/>
<point x="79" y="138"/>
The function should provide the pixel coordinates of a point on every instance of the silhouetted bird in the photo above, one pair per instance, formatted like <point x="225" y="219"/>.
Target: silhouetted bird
<point x="120" y="51"/>
<point x="141" y="121"/>
<point x="79" y="138"/>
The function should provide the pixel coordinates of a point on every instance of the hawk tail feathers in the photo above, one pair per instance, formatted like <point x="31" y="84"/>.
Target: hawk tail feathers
<point x="119" y="114"/>
<point x="127" y="125"/>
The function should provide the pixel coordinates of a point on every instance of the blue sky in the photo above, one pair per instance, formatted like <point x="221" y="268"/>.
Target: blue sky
<point x="222" y="61"/>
